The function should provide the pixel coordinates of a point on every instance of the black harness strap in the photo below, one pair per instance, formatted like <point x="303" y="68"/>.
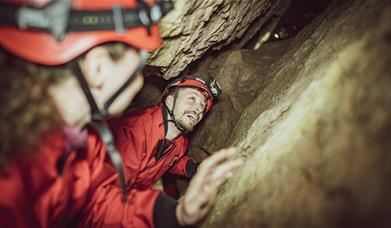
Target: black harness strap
<point x="95" y="20"/>
<point x="165" y="121"/>
<point x="49" y="20"/>
<point x="7" y="14"/>
<point x="143" y="56"/>
<point x="96" y="113"/>
<point x="113" y="153"/>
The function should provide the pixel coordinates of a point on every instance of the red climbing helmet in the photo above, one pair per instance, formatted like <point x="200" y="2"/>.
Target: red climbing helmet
<point x="64" y="29"/>
<point x="209" y="87"/>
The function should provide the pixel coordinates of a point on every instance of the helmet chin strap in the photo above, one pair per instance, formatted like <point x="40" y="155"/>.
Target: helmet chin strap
<point x="171" y="113"/>
<point x="98" y="115"/>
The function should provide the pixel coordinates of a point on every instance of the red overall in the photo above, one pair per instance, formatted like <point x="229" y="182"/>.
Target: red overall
<point x="35" y="191"/>
<point x="147" y="155"/>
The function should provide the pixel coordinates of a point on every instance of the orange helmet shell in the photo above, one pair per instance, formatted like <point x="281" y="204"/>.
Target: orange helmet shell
<point x="42" y="48"/>
<point x="195" y="84"/>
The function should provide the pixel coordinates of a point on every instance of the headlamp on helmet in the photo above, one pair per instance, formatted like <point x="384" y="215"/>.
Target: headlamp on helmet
<point x="210" y="86"/>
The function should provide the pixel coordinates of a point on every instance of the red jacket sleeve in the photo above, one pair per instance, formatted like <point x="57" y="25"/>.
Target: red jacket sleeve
<point x="110" y="211"/>
<point x="143" y="208"/>
<point x="179" y="167"/>
<point x="148" y="208"/>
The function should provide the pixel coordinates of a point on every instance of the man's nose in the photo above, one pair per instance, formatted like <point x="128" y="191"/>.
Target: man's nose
<point x="198" y="108"/>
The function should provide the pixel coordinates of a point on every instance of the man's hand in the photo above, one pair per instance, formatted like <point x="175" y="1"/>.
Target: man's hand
<point x="212" y="172"/>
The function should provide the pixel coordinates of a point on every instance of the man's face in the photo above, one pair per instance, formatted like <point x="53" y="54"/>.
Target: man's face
<point x="106" y="76"/>
<point x="189" y="107"/>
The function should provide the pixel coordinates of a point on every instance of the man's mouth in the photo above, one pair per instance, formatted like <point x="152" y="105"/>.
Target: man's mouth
<point x="192" y="116"/>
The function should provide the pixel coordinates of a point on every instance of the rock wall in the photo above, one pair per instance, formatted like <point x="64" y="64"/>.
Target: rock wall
<point x="195" y="27"/>
<point x="312" y="120"/>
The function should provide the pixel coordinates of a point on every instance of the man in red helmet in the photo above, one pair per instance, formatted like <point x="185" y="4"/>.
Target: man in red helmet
<point x="64" y="65"/>
<point x="153" y="141"/>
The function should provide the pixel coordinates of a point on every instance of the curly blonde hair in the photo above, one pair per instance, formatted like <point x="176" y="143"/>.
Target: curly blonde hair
<point x="27" y="111"/>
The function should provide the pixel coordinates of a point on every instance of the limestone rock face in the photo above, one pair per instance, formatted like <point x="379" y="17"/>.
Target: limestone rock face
<point x="241" y="74"/>
<point x="313" y="122"/>
<point x="194" y="27"/>
<point x="310" y="115"/>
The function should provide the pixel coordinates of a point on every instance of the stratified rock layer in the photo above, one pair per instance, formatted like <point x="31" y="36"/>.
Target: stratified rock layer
<point x="195" y="27"/>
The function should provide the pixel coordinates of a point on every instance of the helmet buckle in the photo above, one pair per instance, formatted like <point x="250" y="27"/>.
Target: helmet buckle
<point x="53" y="17"/>
<point x="144" y="15"/>
<point x="118" y="19"/>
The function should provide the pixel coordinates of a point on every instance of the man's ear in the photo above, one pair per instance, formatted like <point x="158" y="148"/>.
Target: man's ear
<point x="95" y="66"/>
<point x="170" y="101"/>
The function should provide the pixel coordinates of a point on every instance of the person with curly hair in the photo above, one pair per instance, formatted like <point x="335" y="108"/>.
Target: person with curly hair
<point x="66" y="66"/>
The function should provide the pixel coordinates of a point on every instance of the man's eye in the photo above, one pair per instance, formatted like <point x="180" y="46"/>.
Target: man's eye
<point x="192" y="99"/>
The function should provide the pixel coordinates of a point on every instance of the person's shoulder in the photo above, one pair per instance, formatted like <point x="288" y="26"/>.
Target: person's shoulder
<point x="134" y="118"/>
<point x="144" y="115"/>
<point x="140" y="113"/>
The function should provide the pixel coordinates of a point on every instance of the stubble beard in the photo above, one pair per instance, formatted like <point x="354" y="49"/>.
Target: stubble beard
<point x="186" y="125"/>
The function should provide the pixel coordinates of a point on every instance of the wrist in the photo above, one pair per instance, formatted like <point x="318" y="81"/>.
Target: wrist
<point x="181" y="214"/>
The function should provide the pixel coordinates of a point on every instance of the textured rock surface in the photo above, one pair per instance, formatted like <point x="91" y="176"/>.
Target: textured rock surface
<point x="241" y="75"/>
<point x="311" y="116"/>
<point x="195" y="27"/>
<point x="316" y="126"/>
